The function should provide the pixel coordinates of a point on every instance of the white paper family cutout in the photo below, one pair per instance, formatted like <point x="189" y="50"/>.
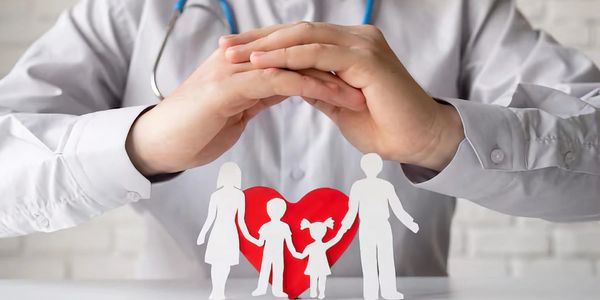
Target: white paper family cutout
<point x="223" y="249"/>
<point x="273" y="235"/>
<point x="370" y="200"/>
<point x="318" y="265"/>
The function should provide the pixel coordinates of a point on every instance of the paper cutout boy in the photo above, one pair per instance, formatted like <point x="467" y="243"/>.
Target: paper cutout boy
<point x="273" y="235"/>
<point x="318" y="264"/>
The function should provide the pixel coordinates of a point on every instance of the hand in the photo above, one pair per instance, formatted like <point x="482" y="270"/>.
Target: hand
<point x="208" y="112"/>
<point x="201" y="238"/>
<point x="401" y="123"/>
<point x="414" y="227"/>
<point x="347" y="222"/>
<point x="255" y="241"/>
<point x="346" y="225"/>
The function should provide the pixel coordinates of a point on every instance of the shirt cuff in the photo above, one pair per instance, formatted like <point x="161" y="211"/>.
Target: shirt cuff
<point x="494" y="142"/>
<point x="463" y="177"/>
<point x="96" y="155"/>
<point x="494" y="132"/>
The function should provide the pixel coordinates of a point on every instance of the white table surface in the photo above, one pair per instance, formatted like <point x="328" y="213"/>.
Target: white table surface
<point x="337" y="288"/>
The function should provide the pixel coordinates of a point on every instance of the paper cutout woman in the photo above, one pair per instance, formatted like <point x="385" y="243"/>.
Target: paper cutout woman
<point x="223" y="249"/>
<point x="318" y="264"/>
<point x="273" y="235"/>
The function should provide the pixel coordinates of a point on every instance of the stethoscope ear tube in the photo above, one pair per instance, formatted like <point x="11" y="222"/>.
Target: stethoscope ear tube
<point x="177" y="11"/>
<point x="368" y="12"/>
<point x="228" y="12"/>
<point x="179" y="5"/>
<point x="170" y="26"/>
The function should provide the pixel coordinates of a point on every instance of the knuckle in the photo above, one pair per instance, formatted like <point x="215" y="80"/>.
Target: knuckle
<point x="335" y="88"/>
<point x="288" y="55"/>
<point x="267" y="39"/>
<point x="270" y="73"/>
<point x="307" y="83"/>
<point x="305" y="26"/>
<point x="372" y="30"/>
<point x="368" y="53"/>
<point x="317" y="48"/>
<point x="272" y="76"/>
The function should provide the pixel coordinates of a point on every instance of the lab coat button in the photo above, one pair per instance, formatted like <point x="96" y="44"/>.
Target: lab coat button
<point x="133" y="196"/>
<point x="497" y="156"/>
<point x="569" y="157"/>
<point x="41" y="221"/>
<point x="297" y="173"/>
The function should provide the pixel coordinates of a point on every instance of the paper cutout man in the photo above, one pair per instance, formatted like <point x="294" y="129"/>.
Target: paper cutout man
<point x="371" y="198"/>
<point x="318" y="265"/>
<point x="273" y="235"/>
<point x="223" y="249"/>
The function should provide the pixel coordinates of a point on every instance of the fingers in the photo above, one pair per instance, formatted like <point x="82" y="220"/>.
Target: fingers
<point x="354" y="66"/>
<point x="272" y="81"/>
<point x="349" y="96"/>
<point x="248" y="88"/>
<point x="242" y="67"/>
<point x="287" y="36"/>
<point x="252" y="87"/>
<point x="227" y="41"/>
<point x="323" y="57"/>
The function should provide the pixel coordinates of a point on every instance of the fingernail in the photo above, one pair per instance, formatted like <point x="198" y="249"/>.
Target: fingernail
<point x="234" y="49"/>
<point x="228" y="36"/>
<point x="225" y="40"/>
<point x="257" y="53"/>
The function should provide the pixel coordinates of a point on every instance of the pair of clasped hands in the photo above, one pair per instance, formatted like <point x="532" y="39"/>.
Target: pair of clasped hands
<point x="349" y="73"/>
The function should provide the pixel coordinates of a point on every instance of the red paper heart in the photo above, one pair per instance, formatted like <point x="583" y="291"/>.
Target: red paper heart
<point x="316" y="206"/>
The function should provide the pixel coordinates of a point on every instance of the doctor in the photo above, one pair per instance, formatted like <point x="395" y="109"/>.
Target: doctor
<point x="514" y="127"/>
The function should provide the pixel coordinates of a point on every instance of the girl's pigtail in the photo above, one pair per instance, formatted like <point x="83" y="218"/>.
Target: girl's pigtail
<point x="329" y="223"/>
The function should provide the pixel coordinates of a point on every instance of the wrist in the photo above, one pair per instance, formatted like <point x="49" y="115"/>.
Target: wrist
<point x="139" y="148"/>
<point x="449" y="132"/>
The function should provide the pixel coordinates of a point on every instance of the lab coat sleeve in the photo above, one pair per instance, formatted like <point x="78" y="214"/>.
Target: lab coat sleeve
<point x="62" y="135"/>
<point x="531" y="124"/>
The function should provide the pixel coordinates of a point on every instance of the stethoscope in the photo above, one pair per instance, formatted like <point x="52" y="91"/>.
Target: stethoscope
<point x="228" y="20"/>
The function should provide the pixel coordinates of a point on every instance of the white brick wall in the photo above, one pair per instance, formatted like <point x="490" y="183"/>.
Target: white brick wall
<point x="107" y="247"/>
<point x="484" y="243"/>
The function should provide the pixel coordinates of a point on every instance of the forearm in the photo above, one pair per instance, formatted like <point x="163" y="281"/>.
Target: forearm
<point x="207" y="224"/>
<point x="336" y="238"/>
<point x="352" y="212"/>
<point x="400" y="213"/>
<point x="245" y="232"/>
<point x="62" y="149"/>
<point x="59" y="180"/>
<point x="525" y="162"/>
<point x="290" y="246"/>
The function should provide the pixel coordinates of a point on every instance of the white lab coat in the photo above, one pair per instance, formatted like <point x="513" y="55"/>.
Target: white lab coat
<point x="67" y="106"/>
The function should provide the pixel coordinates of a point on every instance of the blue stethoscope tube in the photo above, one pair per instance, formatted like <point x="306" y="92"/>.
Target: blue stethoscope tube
<point x="229" y="18"/>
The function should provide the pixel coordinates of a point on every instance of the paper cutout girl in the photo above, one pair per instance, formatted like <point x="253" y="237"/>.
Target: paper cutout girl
<point x="318" y="264"/>
<point x="223" y="249"/>
<point x="273" y="235"/>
